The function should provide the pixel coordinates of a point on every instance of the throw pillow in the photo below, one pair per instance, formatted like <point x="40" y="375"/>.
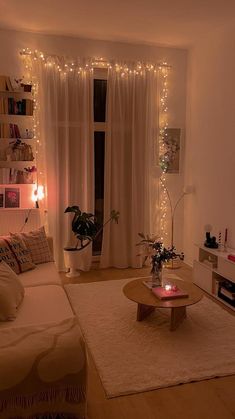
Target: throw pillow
<point x="36" y="242"/>
<point x="15" y="254"/>
<point x="11" y="293"/>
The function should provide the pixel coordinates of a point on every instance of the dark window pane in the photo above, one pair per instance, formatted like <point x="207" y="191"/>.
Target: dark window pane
<point x="99" y="149"/>
<point x="100" y="88"/>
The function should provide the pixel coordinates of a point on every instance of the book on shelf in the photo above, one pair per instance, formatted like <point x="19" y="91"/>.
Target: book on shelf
<point x="163" y="294"/>
<point x="9" y="106"/>
<point x="9" y="131"/>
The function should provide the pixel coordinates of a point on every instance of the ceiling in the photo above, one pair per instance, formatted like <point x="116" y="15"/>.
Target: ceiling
<point x="177" y="23"/>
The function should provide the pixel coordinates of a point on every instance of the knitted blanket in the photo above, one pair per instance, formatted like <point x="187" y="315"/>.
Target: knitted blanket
<point x="42" y="366"/>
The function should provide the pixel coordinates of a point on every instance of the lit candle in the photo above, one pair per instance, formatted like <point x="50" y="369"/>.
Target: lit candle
<point x="167" y="287"/>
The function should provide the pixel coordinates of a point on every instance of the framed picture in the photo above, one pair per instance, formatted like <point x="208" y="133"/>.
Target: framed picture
<point x="12" y="198"/>
<point x="172" y="142"/>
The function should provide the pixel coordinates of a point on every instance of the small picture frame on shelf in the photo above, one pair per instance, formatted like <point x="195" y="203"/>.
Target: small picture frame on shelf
<point x="12" y="198"/>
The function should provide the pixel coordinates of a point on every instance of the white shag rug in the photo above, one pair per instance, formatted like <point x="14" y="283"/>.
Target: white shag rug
<point x="133" y="356"/>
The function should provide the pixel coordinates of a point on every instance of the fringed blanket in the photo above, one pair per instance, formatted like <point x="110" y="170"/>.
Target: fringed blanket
<point x="42" y="369"/>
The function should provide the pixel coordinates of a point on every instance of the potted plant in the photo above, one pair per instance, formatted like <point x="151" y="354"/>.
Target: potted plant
<point x="86" y="229"/>
<point x="154" y="249"/>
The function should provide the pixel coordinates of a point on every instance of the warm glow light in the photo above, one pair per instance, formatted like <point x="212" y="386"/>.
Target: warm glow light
<point x="163" y="125"/>
<point x="38" y="194"/>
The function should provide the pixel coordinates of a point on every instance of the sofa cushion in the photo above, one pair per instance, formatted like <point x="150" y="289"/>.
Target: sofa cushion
<point x="36" y="242"/>
<point x="44" y="274"/>
<point x="41" y="305"/>
<point x="11" y="293"/>
<point x="15" y="254"/>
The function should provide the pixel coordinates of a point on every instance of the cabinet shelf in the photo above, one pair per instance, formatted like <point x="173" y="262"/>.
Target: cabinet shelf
<point x="213" y="266"/>
<point x="16" y="124"/>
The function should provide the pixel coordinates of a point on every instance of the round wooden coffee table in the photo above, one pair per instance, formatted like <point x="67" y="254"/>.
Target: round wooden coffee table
<point x="147" y="302"/>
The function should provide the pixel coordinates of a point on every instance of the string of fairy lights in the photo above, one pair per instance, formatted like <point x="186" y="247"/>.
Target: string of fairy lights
<point x="163" y="126"/>
<point x="64" y="66"/>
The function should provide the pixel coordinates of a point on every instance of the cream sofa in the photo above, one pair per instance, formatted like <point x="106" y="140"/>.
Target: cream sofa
<point x="42" y="357"/>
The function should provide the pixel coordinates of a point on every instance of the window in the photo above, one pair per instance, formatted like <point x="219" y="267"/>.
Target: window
<point x="99" y="103"/>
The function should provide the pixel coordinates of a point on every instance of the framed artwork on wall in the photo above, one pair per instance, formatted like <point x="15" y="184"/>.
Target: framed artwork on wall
<point x="12" y="198"/>
<point x="172" y="144"/>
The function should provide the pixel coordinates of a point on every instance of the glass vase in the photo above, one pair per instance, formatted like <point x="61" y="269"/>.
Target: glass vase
<point x="156" y="275"/>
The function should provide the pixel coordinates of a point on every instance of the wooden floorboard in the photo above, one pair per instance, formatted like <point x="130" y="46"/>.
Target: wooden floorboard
<point x="208" y="399"/>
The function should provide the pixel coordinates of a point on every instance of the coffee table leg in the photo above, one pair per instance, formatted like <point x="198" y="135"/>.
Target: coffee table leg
<point x="178" y="314"/>
<point x="143" y="311"/>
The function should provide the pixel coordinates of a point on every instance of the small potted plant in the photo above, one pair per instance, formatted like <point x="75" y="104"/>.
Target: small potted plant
<point x="86" y="229"/>
<point x="158" y="254"/>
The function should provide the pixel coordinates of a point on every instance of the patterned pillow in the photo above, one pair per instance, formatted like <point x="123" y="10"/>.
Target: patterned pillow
<point x="36" y="242"/>
<point x="15" y="254"/>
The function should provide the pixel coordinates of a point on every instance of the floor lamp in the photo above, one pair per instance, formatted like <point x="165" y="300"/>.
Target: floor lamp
<point x="173" y="264"/>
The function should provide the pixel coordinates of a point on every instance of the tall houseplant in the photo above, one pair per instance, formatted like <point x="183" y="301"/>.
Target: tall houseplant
<point x="86" y="229"/>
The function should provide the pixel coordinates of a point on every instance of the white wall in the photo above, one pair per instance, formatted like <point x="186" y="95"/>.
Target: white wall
<point x="210" y="148"/>
<point x="11" y="42"/>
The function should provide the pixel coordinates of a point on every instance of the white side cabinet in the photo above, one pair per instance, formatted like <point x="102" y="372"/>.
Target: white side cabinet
<point x="215" y="274"/>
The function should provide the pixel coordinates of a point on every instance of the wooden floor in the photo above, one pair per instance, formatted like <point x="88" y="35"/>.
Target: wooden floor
<point x="210" y="399"/>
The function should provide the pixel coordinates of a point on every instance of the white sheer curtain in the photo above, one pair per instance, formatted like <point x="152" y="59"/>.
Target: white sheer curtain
<point x="67" y="125"/>
<point x="132" y="116"/>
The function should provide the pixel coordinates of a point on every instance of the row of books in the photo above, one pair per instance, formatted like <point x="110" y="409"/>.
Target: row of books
<point x="5" y="84"/>
<point x="9" y="131"/>
<point x="8" y="105"/>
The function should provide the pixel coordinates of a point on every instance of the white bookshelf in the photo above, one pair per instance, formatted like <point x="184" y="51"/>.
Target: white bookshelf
<point x="211" y="269"/>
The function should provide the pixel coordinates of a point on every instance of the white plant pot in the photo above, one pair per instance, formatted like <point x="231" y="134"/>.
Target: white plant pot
<point x="76" y="260"/>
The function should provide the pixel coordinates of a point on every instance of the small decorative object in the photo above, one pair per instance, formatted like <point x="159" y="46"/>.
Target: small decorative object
<point x="219" y="242"/>
<point x="28" y="174"/>
<point x="226" y="240"/>
<point x="210" y="241"/>
<point x="26" y="87"/>
<point x="158" y="254"/>
<point x="19" y="151"/>
<point x="19" y="85"/>
<point x="12" y="198"/>
<point x="1" y="200"/>
<point x="170" y="159"/>
<point x="86" y="229"/>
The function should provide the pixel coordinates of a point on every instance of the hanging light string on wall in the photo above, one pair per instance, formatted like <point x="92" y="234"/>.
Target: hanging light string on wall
<point x="163" y="162"/>
<point x="30" y="78"/>
<point x="66" y="66"/>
